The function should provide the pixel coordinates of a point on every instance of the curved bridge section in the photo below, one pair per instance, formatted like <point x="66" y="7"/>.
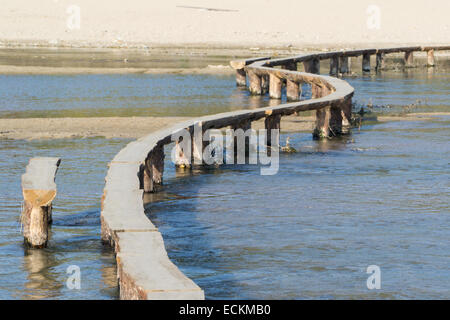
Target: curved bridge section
<point x="143" y="266"/>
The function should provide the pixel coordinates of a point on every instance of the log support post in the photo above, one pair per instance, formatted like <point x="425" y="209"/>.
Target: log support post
<point x="346" y="113"/>
<point x="312" y="66"/>
<point x="198" y="145"/>
<point x="344" y="65"/>
<point x="334" y="65"/>
<point x="335" y="127"/>
<point x="265" y="82"/>
<point x="409" y="58"/>
<point x="366" y="62"/>
<point x="182" y="153"/>
<point x="272" y="122"/>
<point x="322" y="130"/>
<point x="430" y="58"/>
<point x="244" y="125"/>
<point x="328" y="119"/>
<point x="39" y="190"/>
<point x="292" y="90"/>
<point x="275" y="87"/>
<point x="380" y="62"/>
<point x="153" y="169"/>
<point x="254" y="83"/>
<point x="241" y="80"/>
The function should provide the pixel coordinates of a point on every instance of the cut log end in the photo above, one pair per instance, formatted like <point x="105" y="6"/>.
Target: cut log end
<point x="39" y="190"/>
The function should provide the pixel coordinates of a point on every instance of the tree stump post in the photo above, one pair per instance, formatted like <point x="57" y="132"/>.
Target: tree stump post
<point x="344" y="65"/>
<point x="265" y="82"/>
<point x="154" y="168"/>
<point x="312" y="66"/>
<point x="244" y="125"/>
<point x="292" y="90"/>
<point x="409" y="58"/>
<point x="39" y="190"/>
<point x="182" y="156"/>
<point x="335" y="127"/>
<point x="366" y="62"/>
<point x="275" y="87"/>
<point x="241" y="80"/>
<point x="430" y="58"/>
<point x="198" y="145"/>
<point x="346" y="112"/>
<point x="334" y="65"/>
<point x="323" y="115"/>
<point x="272" y="122"/>
<point x="380" y="62"/>
<point x="254" y="83"/>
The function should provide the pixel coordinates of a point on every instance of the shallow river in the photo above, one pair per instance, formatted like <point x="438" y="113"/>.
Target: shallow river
<point x="378" y="197"/>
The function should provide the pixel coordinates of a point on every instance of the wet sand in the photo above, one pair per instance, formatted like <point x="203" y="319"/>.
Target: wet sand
<point x="111" y="127"/>
<point x="136" y="127"/>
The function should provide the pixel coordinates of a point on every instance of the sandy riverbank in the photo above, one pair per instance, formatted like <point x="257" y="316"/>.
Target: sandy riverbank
<point x="214" y="23"/>
<point x="136" y="127"/>
<point x="111" y="127"/>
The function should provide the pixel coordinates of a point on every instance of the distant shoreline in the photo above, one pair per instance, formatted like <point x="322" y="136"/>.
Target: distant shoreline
<point x="16" y="60"/>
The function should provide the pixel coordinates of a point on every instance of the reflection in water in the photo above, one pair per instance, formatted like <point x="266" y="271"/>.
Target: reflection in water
<point x="42" y="282"/>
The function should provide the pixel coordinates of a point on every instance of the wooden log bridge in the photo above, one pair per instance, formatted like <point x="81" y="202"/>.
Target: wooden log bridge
<point x="39" y="190"/>
<point x="144" y="268"/>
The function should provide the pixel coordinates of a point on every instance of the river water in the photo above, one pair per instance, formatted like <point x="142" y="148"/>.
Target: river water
<point x="378" y="197"/>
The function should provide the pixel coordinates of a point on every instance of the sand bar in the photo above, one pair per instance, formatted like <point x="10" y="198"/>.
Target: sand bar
<point x="136" y="127"/>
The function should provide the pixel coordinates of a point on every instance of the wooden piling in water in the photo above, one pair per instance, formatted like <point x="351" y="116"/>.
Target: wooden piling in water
<point x="265" y="83"/>
<point x="154" y="168"/>
<point x="292" y="90"/>
<point x="344" y="65"/>
<point x="244" y="125"/>
<point x="323" y="115"/>
<point x="272" y="122"/>
<point x="366" y="62"/>
<point x="335" y="126"/>
<point x="182" y="159"/>
<point x="312" y="66"/>
<point x="380" y="64"/>
<point x="254" y="83"/>
<point x="39" y="190"/>
<point x="275" y="87"/>
<point x="329" y="120"/>
<point x="346" y="113"/>
<point x="241" y="80"/>
<point x="334" y="65"/>
<point x="409" y="58"/>
<point x="430" y="58"/>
